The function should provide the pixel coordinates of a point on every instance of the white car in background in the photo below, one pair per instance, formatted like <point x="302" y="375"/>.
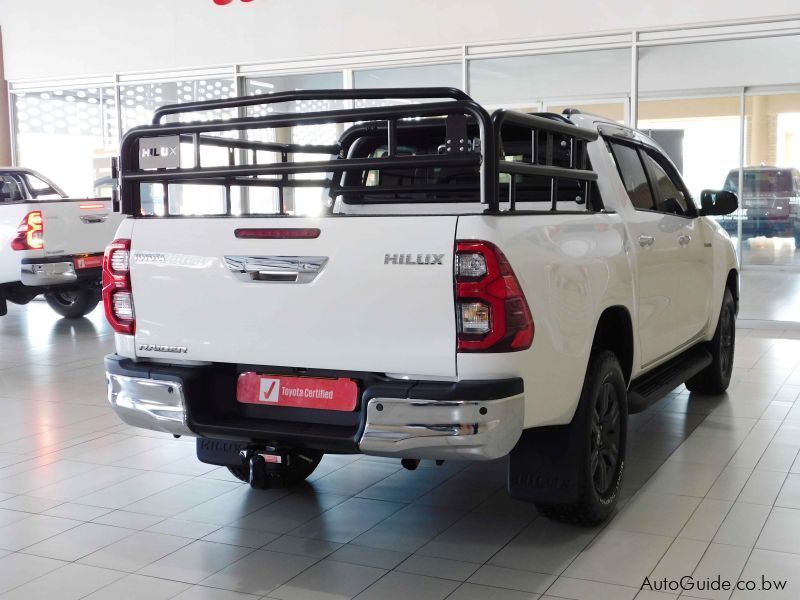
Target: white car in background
<point x="478" y="286"/>
<point x="51" y="244"/>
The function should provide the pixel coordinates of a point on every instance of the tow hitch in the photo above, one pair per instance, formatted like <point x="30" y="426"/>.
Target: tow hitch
<point x="267" y="469"/>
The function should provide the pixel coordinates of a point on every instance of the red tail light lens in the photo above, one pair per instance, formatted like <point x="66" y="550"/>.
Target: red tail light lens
<point x="117" y="292"/>
<point x="491" y="310"/>
<point x="30" y="233"/>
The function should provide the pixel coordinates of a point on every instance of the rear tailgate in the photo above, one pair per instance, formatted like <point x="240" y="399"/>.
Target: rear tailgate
<point x="362" y="310"/>
<point x="77" y="227"/>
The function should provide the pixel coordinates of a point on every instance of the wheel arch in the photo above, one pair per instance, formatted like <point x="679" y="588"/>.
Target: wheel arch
<point x="614" y="332"/>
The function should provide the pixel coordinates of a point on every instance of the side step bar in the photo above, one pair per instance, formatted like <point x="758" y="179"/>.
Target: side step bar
<point x="646" y="390"/>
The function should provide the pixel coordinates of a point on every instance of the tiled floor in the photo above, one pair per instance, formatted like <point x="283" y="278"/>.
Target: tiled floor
<point x="90" y="508"/>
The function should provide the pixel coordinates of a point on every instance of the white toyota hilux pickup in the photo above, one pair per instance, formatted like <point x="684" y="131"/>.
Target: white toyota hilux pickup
<point x="474" y="286"/>
<point x="51" y="244"/>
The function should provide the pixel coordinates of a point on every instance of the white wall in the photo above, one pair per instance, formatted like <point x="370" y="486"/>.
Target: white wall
<point x="63" y="38"/>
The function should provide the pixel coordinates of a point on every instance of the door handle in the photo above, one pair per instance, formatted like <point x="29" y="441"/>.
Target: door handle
<point x="646" y="240"/>
<point x="684" y="240"/>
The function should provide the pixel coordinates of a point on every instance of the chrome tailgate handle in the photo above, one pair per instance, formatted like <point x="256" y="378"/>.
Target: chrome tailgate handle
<point x="91" y="219"/>
<point x="276" y="269"/>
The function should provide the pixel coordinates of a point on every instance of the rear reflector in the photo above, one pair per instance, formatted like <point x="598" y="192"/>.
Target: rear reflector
<point x="282" y="233"/>
<point x="92" y="206"/>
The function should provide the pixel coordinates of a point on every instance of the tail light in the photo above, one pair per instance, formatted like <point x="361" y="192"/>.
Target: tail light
<point x="30" y="233"/>
<point x="491" y="310"/>
<point x="117" y="291"/>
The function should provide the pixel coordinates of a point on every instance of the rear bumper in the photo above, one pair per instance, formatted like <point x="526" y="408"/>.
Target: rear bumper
<point x="472" y="420"/>
<point x="56" y="271"/>
<point x="39" y="274"/>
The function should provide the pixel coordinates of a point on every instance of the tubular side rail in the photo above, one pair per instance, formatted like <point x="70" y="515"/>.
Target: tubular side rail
<point x="295" y="168"/>
<point x="241" y="144"/>
<point x="299" y="95"/>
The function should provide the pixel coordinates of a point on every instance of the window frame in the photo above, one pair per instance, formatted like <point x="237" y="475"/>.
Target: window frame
<point x="662" y="161"/>
<point x="614" y="141"/>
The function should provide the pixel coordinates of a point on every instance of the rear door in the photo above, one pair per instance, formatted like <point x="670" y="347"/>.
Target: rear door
<point x="346" y="293"/>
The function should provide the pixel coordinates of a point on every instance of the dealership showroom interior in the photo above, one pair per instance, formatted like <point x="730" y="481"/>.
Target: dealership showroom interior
<point x="399" y="300"/>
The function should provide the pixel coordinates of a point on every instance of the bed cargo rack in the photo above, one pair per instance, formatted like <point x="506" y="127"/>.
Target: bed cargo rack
<point x="555" y="149"/>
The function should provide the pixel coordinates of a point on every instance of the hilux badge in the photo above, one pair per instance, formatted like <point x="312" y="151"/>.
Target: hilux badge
<point x="413" y="259"/>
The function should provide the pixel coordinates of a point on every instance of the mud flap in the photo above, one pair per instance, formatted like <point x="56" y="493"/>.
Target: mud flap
<point x="3" y="304"/>
<point x="545" y="464"/>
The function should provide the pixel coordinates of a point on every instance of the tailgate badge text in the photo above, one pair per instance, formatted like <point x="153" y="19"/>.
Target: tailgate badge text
<point x="413" y="259"/>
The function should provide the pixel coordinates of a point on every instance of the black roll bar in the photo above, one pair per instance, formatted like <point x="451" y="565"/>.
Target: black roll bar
<point x="298" y="95"/>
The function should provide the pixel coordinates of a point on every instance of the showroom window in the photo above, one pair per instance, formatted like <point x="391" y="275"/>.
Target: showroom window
<point x="139" y="100"/>
<point x="69" y="135"/>
<point x="298" y="200"/>
<point x="445" y="75"/>
<point x="599" y="80"/>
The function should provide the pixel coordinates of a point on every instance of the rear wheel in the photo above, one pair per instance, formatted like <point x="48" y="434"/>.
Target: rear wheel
<point x="600" y="430"/>
<point x="716" y="377"/>
<point x="298" y="467"/>
<point x="73" y="304"/>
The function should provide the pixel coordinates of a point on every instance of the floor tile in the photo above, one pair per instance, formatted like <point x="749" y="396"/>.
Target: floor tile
<point x="19" y="569"/>
<point x="259" y="573"/>
<point x="742" y="525"/>
<point x="443" y="568"/>
<point x="781" y="531"/>
<point x="135" y="552"/>
<point x="472" y="591"/>
<point x="639" y="552"/>
<point x="721" y="561"/>
<point x="775" y="574"/>
<point x="650" y="512"/>
<point x="195" y="562"/>
<point x="544" y="546"/>
<point x="370" y="557"/>
<point x="31" y="530"/>
<point x="69" y="582"/>
<point x="401" y="586"/>
<point x="329" y="580"/>
<point x="78" y="542"/>
<point x="515" y="579"/>
<point x="138" y="587"/>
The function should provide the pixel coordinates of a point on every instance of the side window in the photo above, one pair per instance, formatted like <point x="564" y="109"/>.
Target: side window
<point x="10" y="190"/>
<point x="671" y="197"/>
<point x="633" y="175"/>
<point x="41" y="190"/>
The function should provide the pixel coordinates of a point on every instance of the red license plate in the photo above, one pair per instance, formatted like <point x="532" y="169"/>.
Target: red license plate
<point x="88" y="262"/>
<point x="299" y="392"/>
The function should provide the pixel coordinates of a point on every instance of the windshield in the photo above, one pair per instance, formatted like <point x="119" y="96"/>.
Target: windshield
<point x="761" y="182"/>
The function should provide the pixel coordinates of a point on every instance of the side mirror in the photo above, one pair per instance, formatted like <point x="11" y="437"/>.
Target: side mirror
<point x="718" y="203"/>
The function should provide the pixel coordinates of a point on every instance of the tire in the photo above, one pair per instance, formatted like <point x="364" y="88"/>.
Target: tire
<point x="716" y="377"/>
<point x="601" y="430"/>
<point x="300" y="466"/>
<point x="73" y="304"/>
